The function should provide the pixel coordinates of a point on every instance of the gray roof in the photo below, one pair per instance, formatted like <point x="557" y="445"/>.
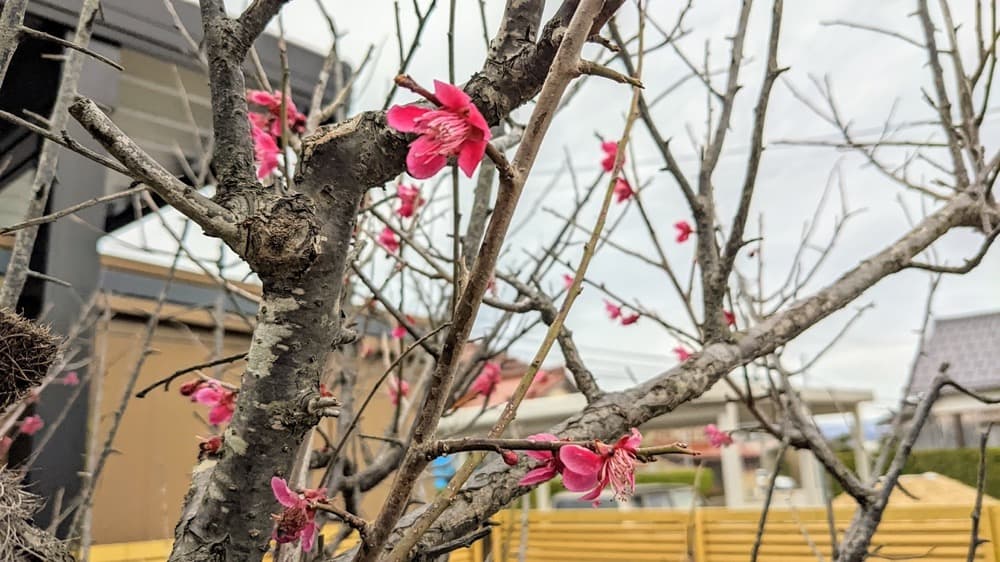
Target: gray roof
<point x="971" y="346"/>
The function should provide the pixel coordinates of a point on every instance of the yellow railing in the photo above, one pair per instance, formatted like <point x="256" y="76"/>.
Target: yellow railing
<point x="926" y="533"/>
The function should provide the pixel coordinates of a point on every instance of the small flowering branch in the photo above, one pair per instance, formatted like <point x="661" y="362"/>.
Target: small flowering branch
<point x="564" y="69"/>
<point x="467" y="444"/>
<point x="350" y="519"/>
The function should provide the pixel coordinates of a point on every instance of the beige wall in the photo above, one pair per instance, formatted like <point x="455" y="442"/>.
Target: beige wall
<point x="140" y="493"/>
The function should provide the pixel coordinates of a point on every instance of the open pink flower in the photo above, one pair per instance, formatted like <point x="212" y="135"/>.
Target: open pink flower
<point x="397" y="389"/>
<point x="409" y="200"/>
<point x="298" y="519"/>
<point x="487" y="380"/>
<point x="70" y="379"/>
<point x="550" y="463"/>
<point x="265" y="151"/>
<point x="614" y="311"/>
<point x="623" y="190"/>
<point x="682" y="353"/>
<point x="684" y="231"/>
<point x="629" y="319"/>
<point x="222" y="400"/>
<point x="388" y="240"/>
<point x="31" y="425"/>
<point x="398" y="332"/>
<point x="730" y="318"/>
<point x="587" y="471"/>
<point x="272" y="102"/>
<point x="717" y="437"/>
<point x="455" y="128"/>
<point x="610" y="149"/>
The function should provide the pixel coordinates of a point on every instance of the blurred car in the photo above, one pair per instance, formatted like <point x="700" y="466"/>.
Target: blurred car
<point x="647" y="496"/>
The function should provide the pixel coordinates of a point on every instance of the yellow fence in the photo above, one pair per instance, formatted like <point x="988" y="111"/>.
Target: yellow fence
<point x="925" y="533"/>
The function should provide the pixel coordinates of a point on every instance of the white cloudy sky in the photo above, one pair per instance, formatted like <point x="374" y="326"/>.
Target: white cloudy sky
<point x="870" y="74"/>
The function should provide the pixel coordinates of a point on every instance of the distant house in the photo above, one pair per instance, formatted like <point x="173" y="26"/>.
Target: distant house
<point x="971" y="347"/>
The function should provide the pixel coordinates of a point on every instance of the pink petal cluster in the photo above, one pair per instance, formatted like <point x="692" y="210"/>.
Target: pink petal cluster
<point x="397" y="389"/>
<point x="398" y="332"/>
<point x="388" y="240"/>
<point x="623" y="190"/>
<point x="610" y="149"/>
<point x="567" y="280"/>
<point x="549" y="466"/>
<point x="265" y="151"/>
<point x="730" y="317"/>
<point x="615" y="312"/>
<point x="487" y="380"/>
<point x="682" y="353"/>
<point x="409" y="200"/>
<point x="270" y="121"/>
<point x="265" y="128"/>
<point x="588" y="471"/>
<point x="454" y="128"/>
<point x="31" y="425"/>
<point x="717" y="437"/>
<point x="222" y="400"/>
<point x="684" y="231"/>
<point x="298" y="520"/>
<point x="70" y="379"/>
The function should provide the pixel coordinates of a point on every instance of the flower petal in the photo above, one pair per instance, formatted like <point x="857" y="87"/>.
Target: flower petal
<point x="580" y="459"/>
<point x="631" y="441"/>
<point x="220" y="414"/>
<point x="578" y="481"/>
<point x="208" y="395"/>
<point x="283" y="493"/>
<point x="538" y="475"/>
<point x="424" y="166"/>
<point x="308" y="536"/>
<point x="470" y="155"/>
<point x="451" y="96"/>
<point x="403" y="117"/>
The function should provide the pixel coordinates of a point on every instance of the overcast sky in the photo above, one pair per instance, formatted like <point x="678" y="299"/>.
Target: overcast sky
<point x="870" y="74"/>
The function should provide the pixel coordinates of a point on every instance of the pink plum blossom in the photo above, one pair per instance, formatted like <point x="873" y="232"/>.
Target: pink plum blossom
<point x="682" y="353"/>
<point x="298" y="519"/>
<point x="717" y="437"/>
<point x="730" y="318"/>
<point x="623" y="190"/>
<point x="567" y="280"/>
<point x="31" y="425"/>
<point x="454" y="128"/>
<point x="409" y="200"/>
<point x="222" y="401"/>
<point x="629" y="319"/>
<point x="487" y="380"/>
<point x="398" y="332"/>
<point x="388" y="240"/>
<point x="614" y="311"/>
<point x="397" y="389"/>
<point x="610" y="149"/>
<point x="549" y="466"/>
<point x="684" y="231"/>
<point x="272" y="102"/>
<point x="588" y="471"/>
<point x="70" y="379"/>
<point x="265" y="151"/>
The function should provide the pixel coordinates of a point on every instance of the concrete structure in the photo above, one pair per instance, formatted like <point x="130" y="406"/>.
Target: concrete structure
<point x="715" y="406"/>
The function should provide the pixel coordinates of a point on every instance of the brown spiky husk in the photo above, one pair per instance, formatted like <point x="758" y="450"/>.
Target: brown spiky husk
<point x="27" y="350"/>
<point x="19" y="539"/>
